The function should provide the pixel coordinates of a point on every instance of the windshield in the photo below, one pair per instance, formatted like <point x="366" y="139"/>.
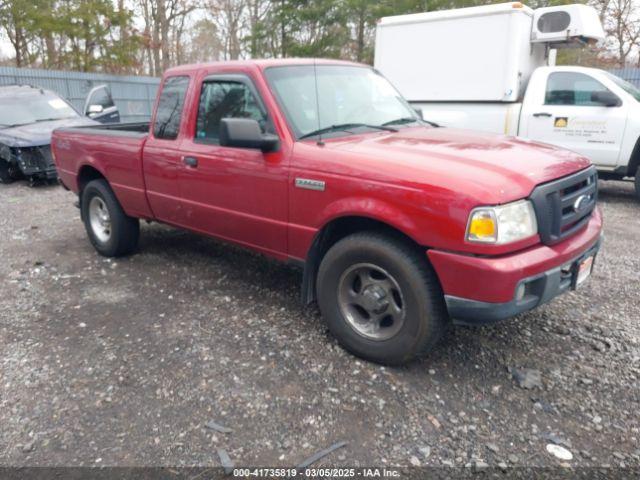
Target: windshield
<point x="34" y="107"/>
<point x="350" y="97"/>
<point x="626" y="86"/>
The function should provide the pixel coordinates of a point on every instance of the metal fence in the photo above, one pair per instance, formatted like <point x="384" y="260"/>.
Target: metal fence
<point x="134" y="96"/>
<point x="631" y="75"/>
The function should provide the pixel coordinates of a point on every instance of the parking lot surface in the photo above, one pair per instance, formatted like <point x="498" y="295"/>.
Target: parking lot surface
<point x="125" y="362"/>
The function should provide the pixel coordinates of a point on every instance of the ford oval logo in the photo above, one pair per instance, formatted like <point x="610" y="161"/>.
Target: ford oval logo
<point x="582" y="203"/>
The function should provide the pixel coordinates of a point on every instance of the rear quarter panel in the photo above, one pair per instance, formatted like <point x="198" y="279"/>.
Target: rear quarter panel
<point x="117" y="155"/>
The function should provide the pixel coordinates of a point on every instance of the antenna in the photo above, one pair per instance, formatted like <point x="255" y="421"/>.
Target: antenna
<point x="315" y="76"/>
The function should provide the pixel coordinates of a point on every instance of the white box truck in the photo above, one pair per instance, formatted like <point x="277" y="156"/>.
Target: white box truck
<point x="486" y="68"/>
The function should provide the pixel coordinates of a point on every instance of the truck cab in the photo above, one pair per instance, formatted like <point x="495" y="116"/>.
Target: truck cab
<point x="586" y="110"/>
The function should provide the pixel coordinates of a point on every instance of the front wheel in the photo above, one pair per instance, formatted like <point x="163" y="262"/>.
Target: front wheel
<point x="637" y="182"/>
<point x="380" y="298"/>
<point x="111" y="231"/>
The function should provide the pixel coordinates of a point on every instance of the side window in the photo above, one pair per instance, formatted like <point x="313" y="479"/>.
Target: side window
<point x="225" y="99"/>
<point x="568" y="88"/>
<point x="169" y="112"/>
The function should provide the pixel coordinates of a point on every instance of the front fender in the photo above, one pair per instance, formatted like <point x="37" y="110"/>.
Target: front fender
<point x="370" y="208"/>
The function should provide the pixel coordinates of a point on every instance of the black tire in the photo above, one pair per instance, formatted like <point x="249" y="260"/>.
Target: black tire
<point x="637" y="182"/>
<point x="6" y="176"/>
<point x="124" y="231"/>
<point x="425" y="317"/>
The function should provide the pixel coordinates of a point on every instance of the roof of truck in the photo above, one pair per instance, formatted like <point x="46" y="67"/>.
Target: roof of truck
<point x="262" y="64"/>
<point x="482" y="10"/>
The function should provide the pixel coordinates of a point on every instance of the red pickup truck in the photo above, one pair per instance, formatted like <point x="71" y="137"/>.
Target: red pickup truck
<point x="400" y="226"/>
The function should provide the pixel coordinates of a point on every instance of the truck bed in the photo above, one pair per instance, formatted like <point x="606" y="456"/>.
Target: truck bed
<point x="118" y="129"/>
<point x="114" y="151"/>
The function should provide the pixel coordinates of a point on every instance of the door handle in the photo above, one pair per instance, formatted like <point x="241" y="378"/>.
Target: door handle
<point x="542" y="114"/>
<point x="191" y="162"/>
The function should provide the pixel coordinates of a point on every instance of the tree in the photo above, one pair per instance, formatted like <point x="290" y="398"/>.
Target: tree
<point x="230" y="18"/>
<point x="89" y="33"/>
<point x="17" y="18"/>
<point x="303" y="28"/>
<point x="84" y="35"/>
<point x="258" y="11"/>
<point x="162" y="19"/>
<point x="204" y="44"/>
<point x="622" y="25"/>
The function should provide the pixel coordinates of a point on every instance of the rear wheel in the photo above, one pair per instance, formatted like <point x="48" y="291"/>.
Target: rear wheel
<point x="380" y="298"/>
<point x="111" y="231"/>
<point x="637" y="182"/>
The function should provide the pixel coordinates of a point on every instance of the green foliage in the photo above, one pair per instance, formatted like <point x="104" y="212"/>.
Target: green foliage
<point x="333" y="28"/>
<point x="83" y="35"/>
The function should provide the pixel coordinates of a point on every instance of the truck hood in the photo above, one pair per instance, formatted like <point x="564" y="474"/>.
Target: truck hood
<point x="496" y="167"/>
<point x="36" y="134"/>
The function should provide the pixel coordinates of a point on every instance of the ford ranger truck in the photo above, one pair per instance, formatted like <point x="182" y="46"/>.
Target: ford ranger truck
<point x="400" y="227"/>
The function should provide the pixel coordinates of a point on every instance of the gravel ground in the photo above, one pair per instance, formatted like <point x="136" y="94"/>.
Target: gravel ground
<point x="125" y="362"/>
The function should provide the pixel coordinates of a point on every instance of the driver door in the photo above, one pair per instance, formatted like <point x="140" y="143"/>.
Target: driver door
<point x="568" y="116"/>
<point x="238" y="194"/>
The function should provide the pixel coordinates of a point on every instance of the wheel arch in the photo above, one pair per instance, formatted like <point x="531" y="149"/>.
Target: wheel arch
<point x="634" y="160"/>
<point x="335" y="230"/>
<point x="86" y="174"/>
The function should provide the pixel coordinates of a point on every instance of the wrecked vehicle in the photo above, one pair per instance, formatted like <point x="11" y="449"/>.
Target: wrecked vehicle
<point x="28" y="115"/>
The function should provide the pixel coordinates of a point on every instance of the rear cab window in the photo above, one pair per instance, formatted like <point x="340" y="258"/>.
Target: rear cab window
<point x="170" y="105"/>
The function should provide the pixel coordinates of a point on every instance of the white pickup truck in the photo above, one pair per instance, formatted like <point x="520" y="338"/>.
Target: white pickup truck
<point x="487" y="73"/>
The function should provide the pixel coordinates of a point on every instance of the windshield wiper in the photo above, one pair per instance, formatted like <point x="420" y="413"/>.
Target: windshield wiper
<point x="345" y="127"/>
<point x="37" y="120"/>
<point x="403" y="120"/>
<point x="400" y="121"/>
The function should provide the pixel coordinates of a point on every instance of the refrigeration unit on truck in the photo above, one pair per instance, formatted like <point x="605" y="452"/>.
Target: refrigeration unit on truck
<point x="487" y="68"/>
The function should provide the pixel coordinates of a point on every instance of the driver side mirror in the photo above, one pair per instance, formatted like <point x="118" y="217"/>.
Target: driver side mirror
<point x="246" y="133"/>
<point x="606" y="98"/>
<point x="419" y="113"/>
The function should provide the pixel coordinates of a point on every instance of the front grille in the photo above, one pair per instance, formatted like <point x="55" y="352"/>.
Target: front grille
<point x="565" y="205"/>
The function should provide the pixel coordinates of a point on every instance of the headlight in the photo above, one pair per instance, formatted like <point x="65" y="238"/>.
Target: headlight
<point x="502" y="224"/>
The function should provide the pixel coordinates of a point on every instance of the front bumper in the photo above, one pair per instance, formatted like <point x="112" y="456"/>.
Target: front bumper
<point x="481" y="290"/>
<point x="538" y="290"/>
<point x="41" y="173"/>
